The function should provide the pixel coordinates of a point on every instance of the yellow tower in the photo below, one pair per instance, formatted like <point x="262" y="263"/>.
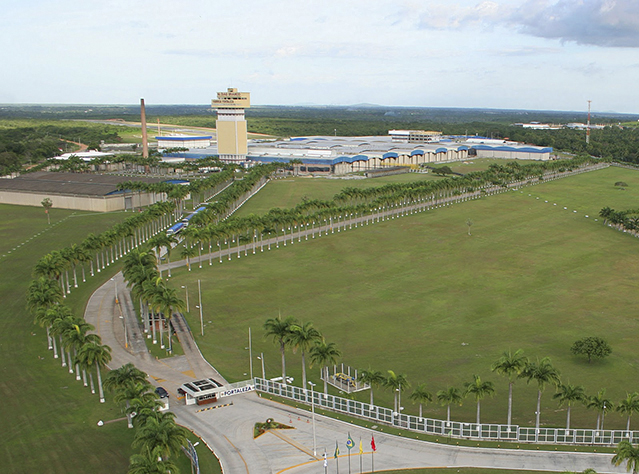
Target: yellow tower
<point x="232" y="142"/>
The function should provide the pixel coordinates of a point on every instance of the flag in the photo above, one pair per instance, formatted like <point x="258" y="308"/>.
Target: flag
<point x="361" y="449"/>
<point x="373" y="447"/>
<point x="349" y="442"/>
<point x="336" y="450"/>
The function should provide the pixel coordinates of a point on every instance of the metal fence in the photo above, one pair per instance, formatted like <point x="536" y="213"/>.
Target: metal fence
<point x="453" y="429"/>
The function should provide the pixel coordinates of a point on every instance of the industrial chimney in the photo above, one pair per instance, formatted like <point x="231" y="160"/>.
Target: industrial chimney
<point x="145" y="143"/>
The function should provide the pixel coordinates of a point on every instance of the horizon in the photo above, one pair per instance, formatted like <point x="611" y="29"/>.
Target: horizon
<point x="501" y="54"/>
<point x="326" y="106"/>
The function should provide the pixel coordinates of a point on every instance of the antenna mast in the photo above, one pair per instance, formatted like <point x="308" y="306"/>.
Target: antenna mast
<point x="588" y="124"/>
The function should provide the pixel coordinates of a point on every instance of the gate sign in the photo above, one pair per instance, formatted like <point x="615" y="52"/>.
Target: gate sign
<point x="236" y="391"/>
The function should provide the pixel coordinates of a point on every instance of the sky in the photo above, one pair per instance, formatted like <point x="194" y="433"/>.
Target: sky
<point x="511" y="54"/>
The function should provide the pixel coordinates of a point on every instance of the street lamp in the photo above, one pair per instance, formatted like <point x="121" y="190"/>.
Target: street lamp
<point x="313" y="412"/>
<point x="199" y="291"/>
<point x="126" y="337"/>
<point x="261" y="357"/>
<point x="250" y="348"/>
<point x="115" y="285"/>
<point x="186" y="291"/>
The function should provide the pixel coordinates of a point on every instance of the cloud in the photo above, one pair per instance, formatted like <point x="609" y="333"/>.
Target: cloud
<point x="608" y="23"/>
<point x="446" y="16"/>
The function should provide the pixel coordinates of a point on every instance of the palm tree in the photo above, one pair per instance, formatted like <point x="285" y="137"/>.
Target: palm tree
<point x="568" y="394"/>
<point x="601" y="404"/>
<point x="280" y="330"/>
<point x="128" y="382"/>
<point x="510" y="365"/>
<point x="76" y="336"/>
<point x="479" y="390"/>
<point x="303" y="336"/>
<point x="94" y="353"/>
<point x="43" y="293"/>
<point x="374" y="378"/>
<point x="543" y="373"/>
<point x="628" y="406"/>
<point x="324" y="354"/>
<point x="397" y="383"/>
<point x="448" y="397"/>
<point x="627" y="453"/>
<point x="151" y="463"/>
<point x="143" y="406"/>
<point x="161" y="433"/>
<point x="167" y="301"/>
<point x="421" y="395"/>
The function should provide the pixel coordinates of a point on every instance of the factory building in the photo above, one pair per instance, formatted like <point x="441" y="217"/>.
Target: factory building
<point x="184" y="141"/>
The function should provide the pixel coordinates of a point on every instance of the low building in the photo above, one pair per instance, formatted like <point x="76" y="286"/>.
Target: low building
<point x="80" y="191"/>
<point x="184" y="141"/>
<point x="343" y="155"/>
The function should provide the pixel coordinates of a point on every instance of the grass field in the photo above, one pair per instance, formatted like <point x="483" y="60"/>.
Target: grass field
<point x="286" y="193"/>
<point x="49" y="419"/>
<point x="419" y="296"/>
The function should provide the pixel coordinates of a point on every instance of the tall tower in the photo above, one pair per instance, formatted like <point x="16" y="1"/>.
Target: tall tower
<point x="232" y="141"/>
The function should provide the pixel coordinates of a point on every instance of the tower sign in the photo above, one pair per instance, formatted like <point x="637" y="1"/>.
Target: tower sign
<point x="232" y="141"/>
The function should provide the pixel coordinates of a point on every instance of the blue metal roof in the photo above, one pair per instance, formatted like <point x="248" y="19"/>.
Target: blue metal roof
<point x="390" y="154"/>
<point x="441" y="150"/>
<point x="416" y="152"/>
<point x="184" y="139"/>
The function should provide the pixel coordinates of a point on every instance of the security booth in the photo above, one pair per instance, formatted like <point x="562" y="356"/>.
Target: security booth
<point x="209" y="390"/>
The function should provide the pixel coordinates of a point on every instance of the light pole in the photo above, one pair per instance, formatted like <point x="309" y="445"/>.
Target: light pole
<point x="603" y="417"/>
<point x="199" y="291"/>
<point x="115" y="287"/>
<point x="186" y="291"/>
<point x="261" y="357"/>
<point x="313" y="412"/>
<point x="126" y="337"/>
<point x="250" y="354"/>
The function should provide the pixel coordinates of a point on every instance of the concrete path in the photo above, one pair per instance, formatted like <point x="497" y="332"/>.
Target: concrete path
<point x="228" y="430"/>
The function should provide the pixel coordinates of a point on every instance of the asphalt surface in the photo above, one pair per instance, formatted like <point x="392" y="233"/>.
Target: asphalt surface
<point x="227" y="427"/>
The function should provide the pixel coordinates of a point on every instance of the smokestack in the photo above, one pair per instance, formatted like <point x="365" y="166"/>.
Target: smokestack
<point x="145" y="143"/>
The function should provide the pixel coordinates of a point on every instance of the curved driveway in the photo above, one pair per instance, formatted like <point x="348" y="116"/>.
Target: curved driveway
<point x="228" y="430"/>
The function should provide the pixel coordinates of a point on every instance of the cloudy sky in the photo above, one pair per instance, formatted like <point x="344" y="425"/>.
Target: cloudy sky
<point x="530" y="54"/>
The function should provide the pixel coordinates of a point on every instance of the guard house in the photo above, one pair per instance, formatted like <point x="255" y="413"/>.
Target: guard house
<point x="209" y="390"/>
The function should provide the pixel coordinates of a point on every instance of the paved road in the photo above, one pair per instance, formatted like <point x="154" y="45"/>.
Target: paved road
<point x="229" y="429"/>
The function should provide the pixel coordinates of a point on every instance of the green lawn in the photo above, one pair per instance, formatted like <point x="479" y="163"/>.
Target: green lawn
<point x="419" y="296"/>
<point x="49" y="420"/>
<point x="288" y="192"/>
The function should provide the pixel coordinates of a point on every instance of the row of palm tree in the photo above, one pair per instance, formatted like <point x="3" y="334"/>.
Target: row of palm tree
<point x="101" y="250"/>
<point x="79" y="349"/>
<point x="513" y="365"/>
<point x="288" y="332"/>
<point x="157" y="435"/>
<point x="158" y="302"/>
<point x="213" y="230"/>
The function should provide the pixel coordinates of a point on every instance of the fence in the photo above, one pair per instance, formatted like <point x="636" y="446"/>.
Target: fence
<point x="453" y="429"/>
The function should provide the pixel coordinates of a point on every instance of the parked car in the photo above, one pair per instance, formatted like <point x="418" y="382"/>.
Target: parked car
<point x="161" y="391"/>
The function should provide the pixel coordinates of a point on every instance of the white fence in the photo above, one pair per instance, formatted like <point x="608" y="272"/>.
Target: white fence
<point x="453" y="429"/>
